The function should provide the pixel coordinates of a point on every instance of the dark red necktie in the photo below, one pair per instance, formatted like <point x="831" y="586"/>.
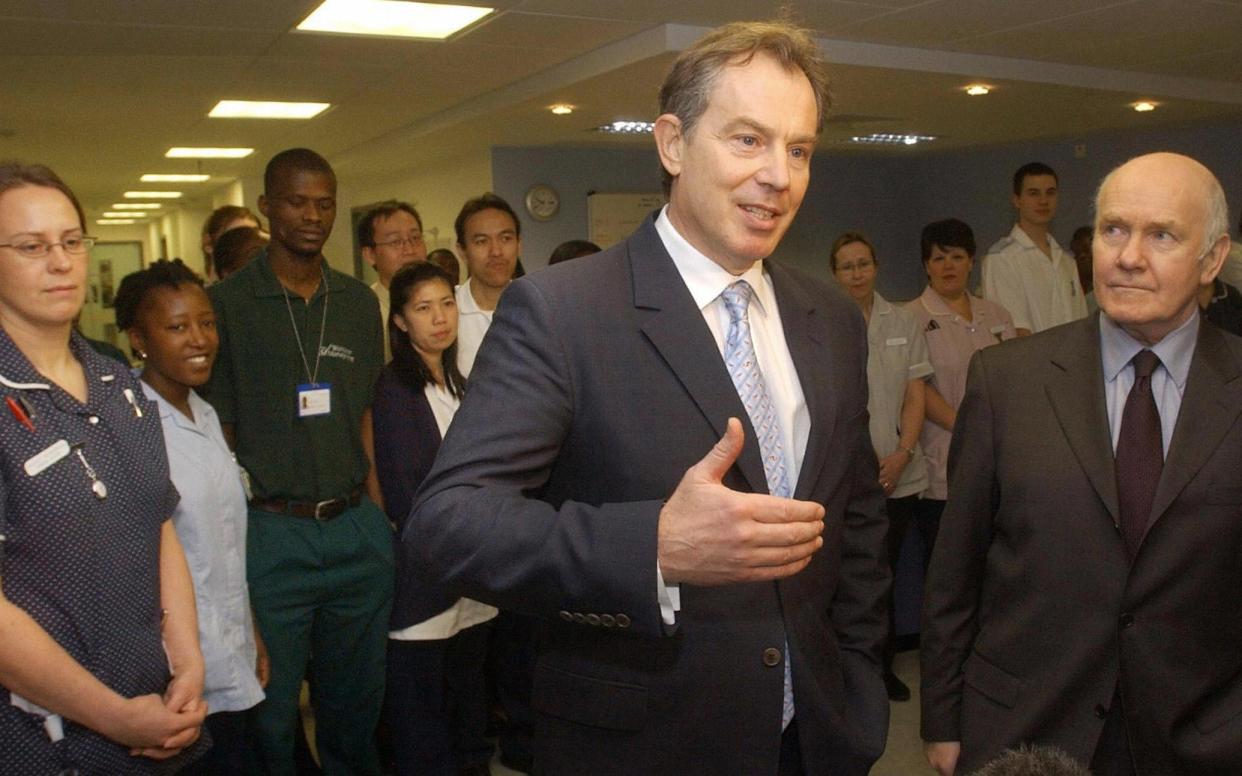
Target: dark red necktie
<point x="1140" y="453"/>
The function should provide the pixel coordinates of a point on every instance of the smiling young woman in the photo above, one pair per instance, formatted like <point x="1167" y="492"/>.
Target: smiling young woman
<point x="172" y="326"/>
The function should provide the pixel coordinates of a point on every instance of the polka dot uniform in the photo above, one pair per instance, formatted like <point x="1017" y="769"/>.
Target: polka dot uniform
<point x="80" y="548"/>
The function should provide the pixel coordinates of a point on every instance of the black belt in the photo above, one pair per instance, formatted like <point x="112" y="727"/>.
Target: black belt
<point x="316" y="510"/>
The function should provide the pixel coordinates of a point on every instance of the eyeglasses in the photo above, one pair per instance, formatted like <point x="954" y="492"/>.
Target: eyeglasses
<point x="862" y="266"/>
<point x="397" y="242"/>
<point x="37" y="249"/>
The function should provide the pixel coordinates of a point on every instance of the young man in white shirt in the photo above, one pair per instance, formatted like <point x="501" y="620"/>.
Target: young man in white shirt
<point x="489" y="238"/>
<point x="1026" y="272"/>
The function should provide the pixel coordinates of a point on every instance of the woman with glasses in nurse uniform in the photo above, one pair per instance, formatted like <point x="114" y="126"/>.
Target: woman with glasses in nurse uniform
<point x="897" y="366"/>
<point x="100" y="669"/>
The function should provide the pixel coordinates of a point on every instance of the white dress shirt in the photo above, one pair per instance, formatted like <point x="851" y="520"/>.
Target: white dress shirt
<point x="381" y="293"/>
<point x="1037" y="291"/>
<point x="706" y="280"/>
<point x="472" y="324"/>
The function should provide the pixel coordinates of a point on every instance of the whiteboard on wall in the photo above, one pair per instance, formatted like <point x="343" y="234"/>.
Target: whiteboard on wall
<point x="612" y="217"/>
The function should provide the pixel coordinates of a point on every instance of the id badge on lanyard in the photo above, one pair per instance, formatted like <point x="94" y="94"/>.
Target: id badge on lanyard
<point x="314" y="399"/>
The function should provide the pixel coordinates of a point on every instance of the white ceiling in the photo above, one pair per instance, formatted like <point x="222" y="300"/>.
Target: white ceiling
<point x="99" y="89"/>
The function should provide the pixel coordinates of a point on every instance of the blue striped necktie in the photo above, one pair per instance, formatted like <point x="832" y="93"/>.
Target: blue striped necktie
<point x="739" y="355"/>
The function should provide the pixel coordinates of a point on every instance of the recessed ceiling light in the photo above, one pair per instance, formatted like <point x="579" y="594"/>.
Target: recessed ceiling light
<point x="978" y="90"/>
<point x="136" y="206"/>
<point x="115" y="221"/>
<point x="1144" y="106"/>
<point x="392" y="18"/>
<point x="124" y="214"/>
<point x="152" y="177"/>
<point x="561" y="109"/>
<point x="152" y="194"/>
<point x="257" y="109"/>
<point x="627" y="128"/>
<point x="891" y="138"/>
<point x="181" y="152"/>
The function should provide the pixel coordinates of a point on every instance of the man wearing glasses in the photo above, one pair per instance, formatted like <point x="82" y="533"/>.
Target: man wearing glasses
<point x="391" y="236"/>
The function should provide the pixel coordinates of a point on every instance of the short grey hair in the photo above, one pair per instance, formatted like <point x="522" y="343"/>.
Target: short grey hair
<point x="1033" y="761"/>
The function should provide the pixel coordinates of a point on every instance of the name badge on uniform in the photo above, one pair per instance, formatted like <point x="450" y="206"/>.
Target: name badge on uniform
<point x="50" y="455"/>
<point x="314" y="399"/>
<point x="894" y="341"/>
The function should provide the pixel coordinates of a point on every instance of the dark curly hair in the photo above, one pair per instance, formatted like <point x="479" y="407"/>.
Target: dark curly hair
<point x="136" y="286"/>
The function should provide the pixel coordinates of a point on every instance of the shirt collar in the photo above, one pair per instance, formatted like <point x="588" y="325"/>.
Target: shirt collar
<point x="19" y="374"/>
<point x="936" y="305"/>
<point x="465" y="300"/>
<point x="1025" y="240"/>
<point x="198" y="406"/>
<point x="880" y="305"/>
<point x="1175" y="349"/>
<point x="704" y="278"/>
<point x="265" y="282"/>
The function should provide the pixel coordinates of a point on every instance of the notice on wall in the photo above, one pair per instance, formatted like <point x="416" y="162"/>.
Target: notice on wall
<point x="613" y="217"/>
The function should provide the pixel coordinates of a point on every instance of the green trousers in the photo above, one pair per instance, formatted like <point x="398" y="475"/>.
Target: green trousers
<point x="321" y="593"/>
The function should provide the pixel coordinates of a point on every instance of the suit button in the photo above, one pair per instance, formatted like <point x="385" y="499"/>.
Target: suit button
<point x="1127" y="620"/>
<point x="623" y="621"/>
<point x="566" y="616"/>
<point x="608" y="620"/>
<point x="593" y="619"/>
<point x="1100" y="711"/>
<point x="579" y="618"/>
<point x="771" y="657"/>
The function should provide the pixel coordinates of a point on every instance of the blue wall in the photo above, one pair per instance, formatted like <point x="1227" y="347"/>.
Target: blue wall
<point x="889" y="197"/>
<point x="574" y="173"/>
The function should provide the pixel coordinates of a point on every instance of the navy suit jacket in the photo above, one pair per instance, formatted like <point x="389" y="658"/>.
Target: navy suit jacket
<point x="407" y="438"/>
<point x="597" y="386"/>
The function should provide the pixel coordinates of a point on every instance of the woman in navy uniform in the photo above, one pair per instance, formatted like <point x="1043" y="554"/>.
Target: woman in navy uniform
<point x="100" y="669"/>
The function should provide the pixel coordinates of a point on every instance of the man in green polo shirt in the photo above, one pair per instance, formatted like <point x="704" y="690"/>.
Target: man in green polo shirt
<point x="300" y="349"/>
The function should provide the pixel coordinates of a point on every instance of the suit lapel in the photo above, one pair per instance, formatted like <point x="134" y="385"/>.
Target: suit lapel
<point x="810" y="352"/>
<point x="1209" y="408"/>
<point x="1083" y="414"/>
<point x="675" y="327"/>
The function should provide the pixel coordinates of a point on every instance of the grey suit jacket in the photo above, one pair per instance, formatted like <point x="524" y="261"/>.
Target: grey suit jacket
<point x="1033" y="613"/>
<point x="596" y="387"/>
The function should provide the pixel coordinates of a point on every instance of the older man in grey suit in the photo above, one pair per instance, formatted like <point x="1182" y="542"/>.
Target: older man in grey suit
<point x="704" y="614"/>
<point x="1083" y="591"/>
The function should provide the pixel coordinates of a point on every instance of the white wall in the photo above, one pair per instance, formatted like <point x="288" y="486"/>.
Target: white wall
<point x="436" y="191"/>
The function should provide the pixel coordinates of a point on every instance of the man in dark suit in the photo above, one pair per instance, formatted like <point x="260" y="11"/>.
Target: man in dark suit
<point x="703" y="614"/>
<point x="1083" y="590"/>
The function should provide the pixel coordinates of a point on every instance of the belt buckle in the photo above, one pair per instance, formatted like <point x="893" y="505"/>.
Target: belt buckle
<point x="321" y="506"/>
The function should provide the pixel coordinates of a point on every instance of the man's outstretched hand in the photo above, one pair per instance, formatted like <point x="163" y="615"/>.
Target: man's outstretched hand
<point x="711" y="535"/>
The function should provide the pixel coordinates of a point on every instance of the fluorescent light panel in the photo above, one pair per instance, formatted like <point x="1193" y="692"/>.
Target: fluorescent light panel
<point x="114" y="221"/>
<point x="183" y="152"/>
<point x="152" y="177"/>
<point x="136" y="206"/>
<point x="152" y="194"/>
<point x="392" y="18"/>
<point x="889" y="138"/>
<point x="256" y="109"/>
<point x="627" y="128"/>
<point x="124" y="214"/>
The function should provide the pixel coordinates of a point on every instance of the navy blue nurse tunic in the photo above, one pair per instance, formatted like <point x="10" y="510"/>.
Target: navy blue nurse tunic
<point x="80" y="544"/>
